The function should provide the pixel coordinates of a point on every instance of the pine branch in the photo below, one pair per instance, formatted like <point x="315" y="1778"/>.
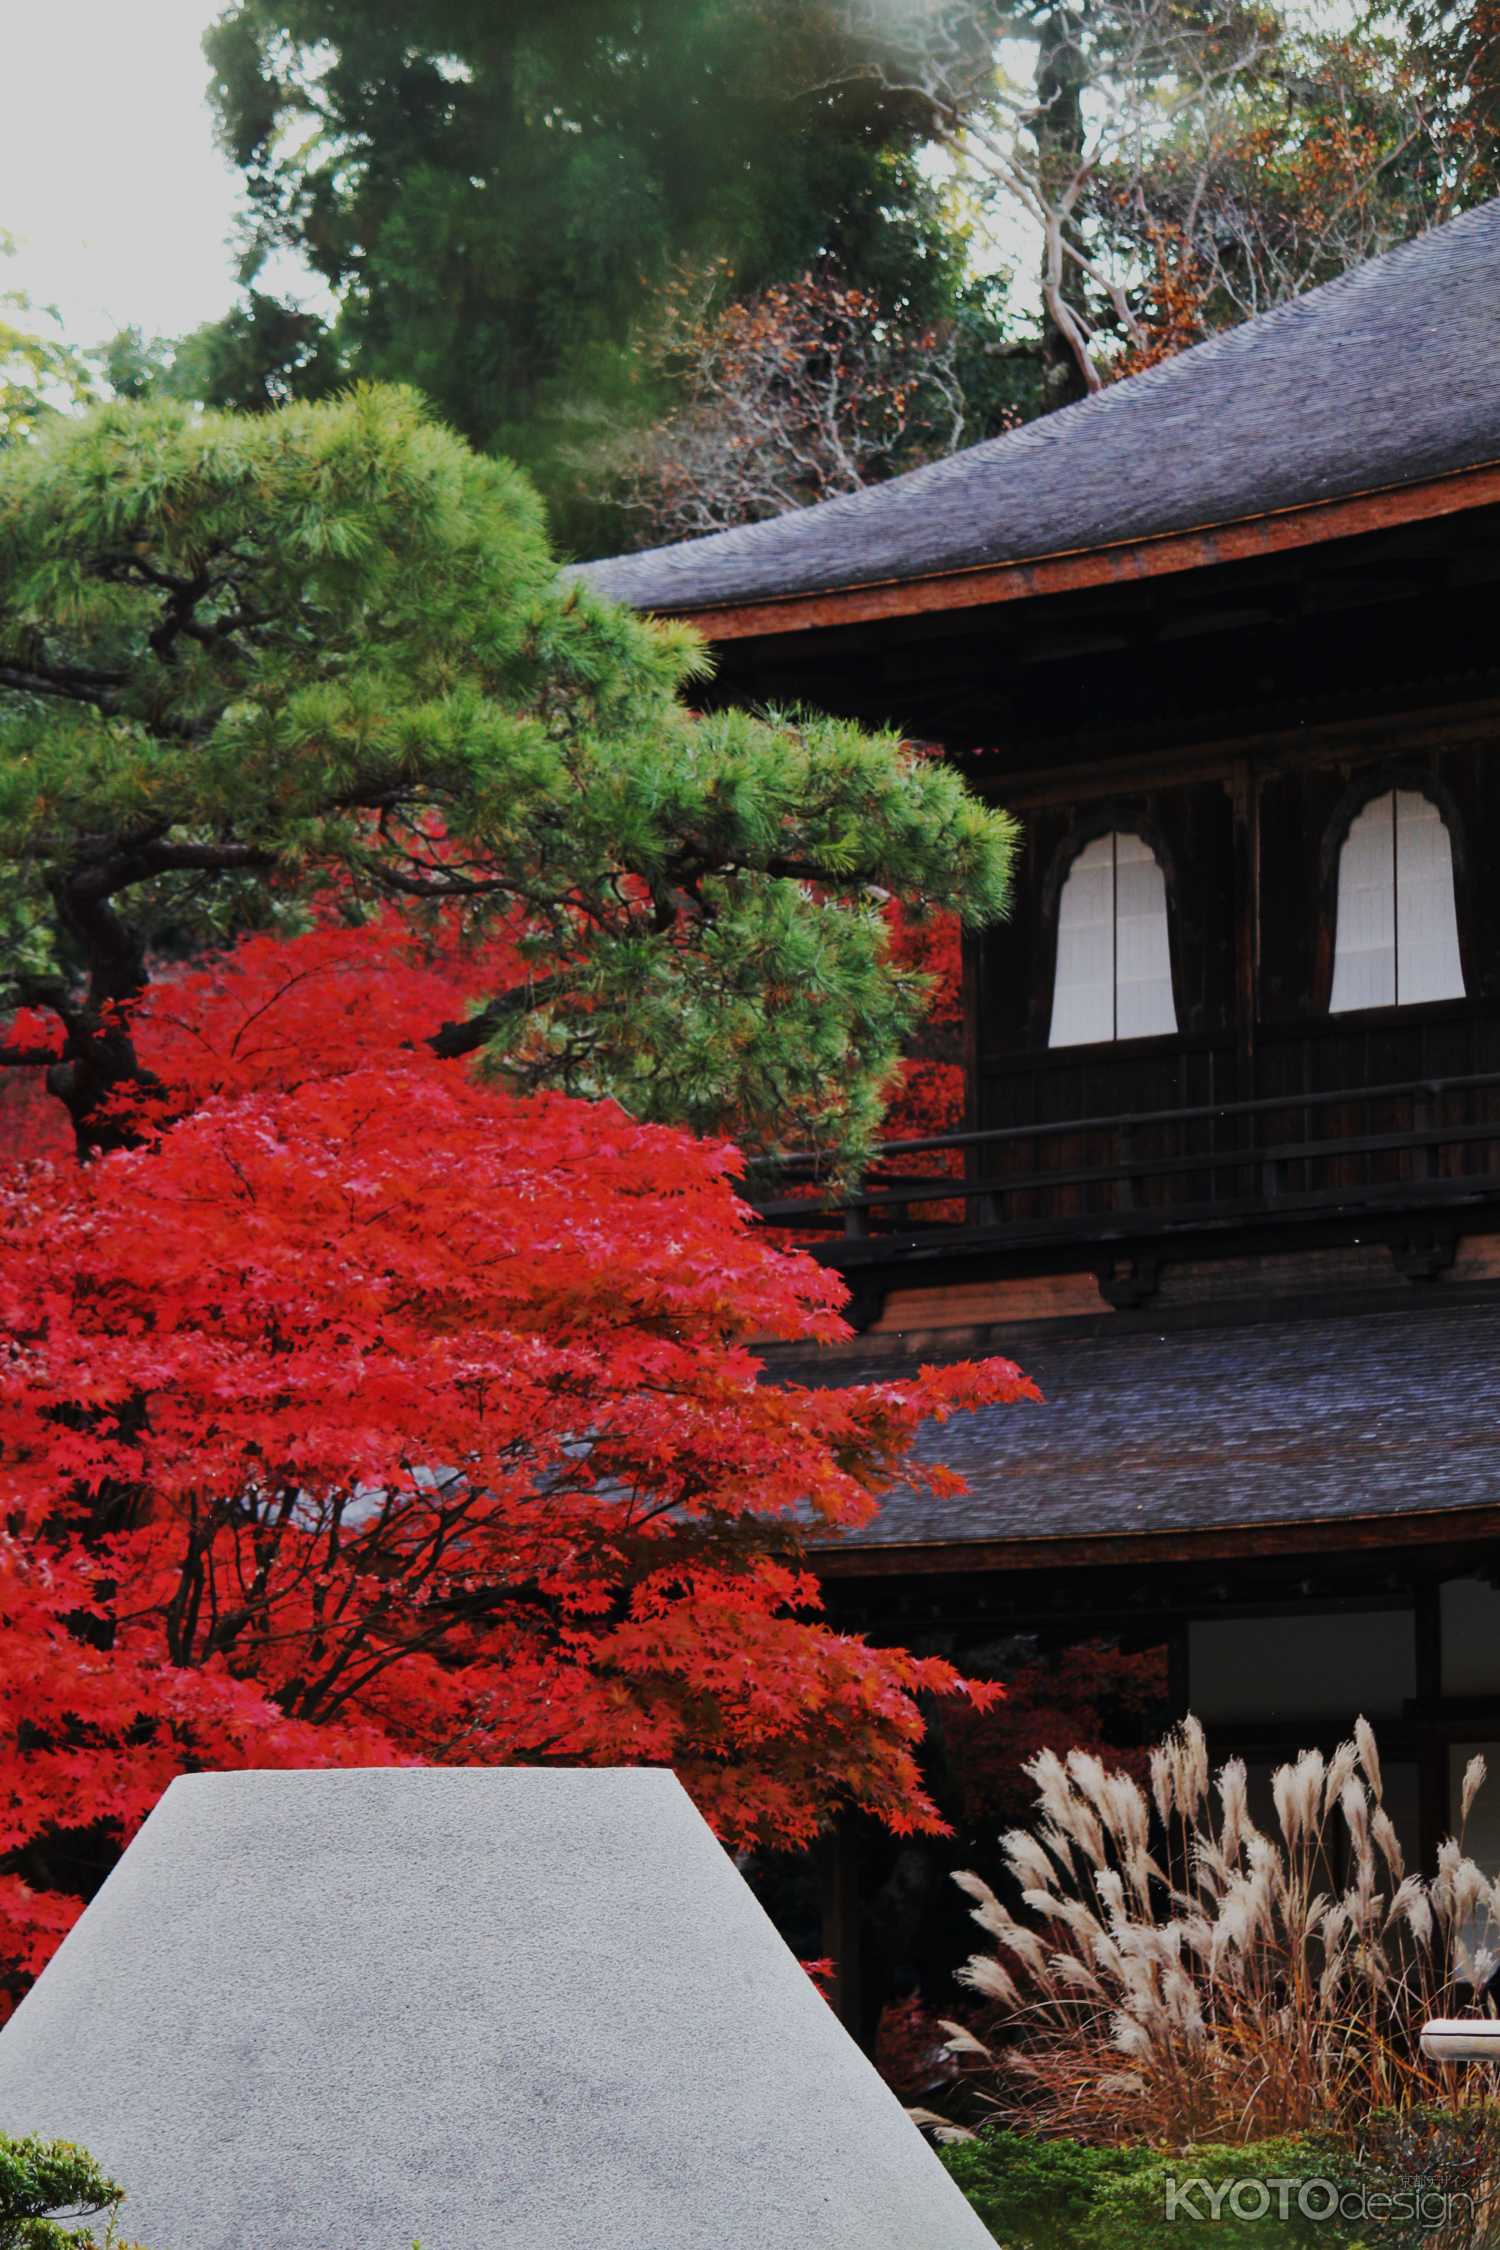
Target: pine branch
<point x="92" y="688"/>
<point x="466" y="1037"/>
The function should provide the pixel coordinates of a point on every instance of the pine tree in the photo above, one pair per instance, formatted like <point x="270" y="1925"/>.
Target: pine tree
<point x="244" y="658"/>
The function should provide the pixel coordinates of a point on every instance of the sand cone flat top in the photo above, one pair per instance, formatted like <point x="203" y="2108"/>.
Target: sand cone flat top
<point x="484" y="2010"/>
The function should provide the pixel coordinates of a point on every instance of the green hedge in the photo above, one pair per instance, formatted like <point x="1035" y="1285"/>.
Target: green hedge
<point x="1060" y="2195"/>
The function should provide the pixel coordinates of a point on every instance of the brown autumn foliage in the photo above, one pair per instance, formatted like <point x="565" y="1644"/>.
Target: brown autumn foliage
<point x="805" y="391"/>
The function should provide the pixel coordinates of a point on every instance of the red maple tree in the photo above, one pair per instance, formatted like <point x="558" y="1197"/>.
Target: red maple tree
<point x="365" y="1411"/>
<point x="929" y="1094"/>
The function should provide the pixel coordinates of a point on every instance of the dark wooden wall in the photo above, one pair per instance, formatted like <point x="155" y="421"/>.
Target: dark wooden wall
<point x="1249" y="851"/>
<point x="1231" y="714"/>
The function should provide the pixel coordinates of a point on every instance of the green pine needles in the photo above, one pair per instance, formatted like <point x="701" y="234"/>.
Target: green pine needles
<point x="44" y="2185"/>
<point x="244" y="659"/>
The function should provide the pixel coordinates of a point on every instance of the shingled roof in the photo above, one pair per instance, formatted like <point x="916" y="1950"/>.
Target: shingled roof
<point x="1298" y="1422"/>
<point x="1388" y="377"/>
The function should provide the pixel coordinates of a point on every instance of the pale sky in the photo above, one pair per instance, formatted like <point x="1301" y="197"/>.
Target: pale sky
<point x="120" y="203"/>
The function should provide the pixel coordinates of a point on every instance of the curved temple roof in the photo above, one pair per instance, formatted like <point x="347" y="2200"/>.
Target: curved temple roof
<point x="1388" y="377"/>
<point x="1209" y="1435"/>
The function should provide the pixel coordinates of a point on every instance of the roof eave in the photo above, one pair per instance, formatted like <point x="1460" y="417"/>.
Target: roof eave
<point x="1306" y="524"/>
<point x="851" y="1558"/>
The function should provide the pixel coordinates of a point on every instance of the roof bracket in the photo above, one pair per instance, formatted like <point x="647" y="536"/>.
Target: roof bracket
<point x="1129" y="1281"/>
<point x="867" y="1295"/>
<point x="1423" y="1252"/>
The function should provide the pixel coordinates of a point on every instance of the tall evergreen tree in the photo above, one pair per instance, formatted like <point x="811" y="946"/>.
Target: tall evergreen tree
<point x="492" y="194"/>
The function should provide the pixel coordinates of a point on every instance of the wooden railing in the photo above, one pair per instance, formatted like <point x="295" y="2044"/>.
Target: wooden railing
<point x="1081" y="1176"/>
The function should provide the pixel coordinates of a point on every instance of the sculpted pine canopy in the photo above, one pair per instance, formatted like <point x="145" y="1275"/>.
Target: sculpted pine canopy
<point x="332" y="643"/>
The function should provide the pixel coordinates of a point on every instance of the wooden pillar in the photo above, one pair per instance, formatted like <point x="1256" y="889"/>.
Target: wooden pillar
<point x="1179" y="1685"/>
<point x="839" y="1858"/>
<point x="1244" y="793"/>
<point x="1433" y="1810"/>
<point x="978" y="1210"/>
<point x="972" y="990"/>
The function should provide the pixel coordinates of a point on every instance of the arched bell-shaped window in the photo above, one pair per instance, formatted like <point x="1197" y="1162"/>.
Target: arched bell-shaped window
<point x="1396" y="937"/>
<point x="1114" y="967"/>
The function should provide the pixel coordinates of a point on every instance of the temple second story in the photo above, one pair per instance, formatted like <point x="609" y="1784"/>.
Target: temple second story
<point x="1224" y="638"/>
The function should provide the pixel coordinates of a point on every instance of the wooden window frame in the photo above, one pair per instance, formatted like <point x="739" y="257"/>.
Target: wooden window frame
<point x="1104" y="819"/>
<point x="1373" y="783"/>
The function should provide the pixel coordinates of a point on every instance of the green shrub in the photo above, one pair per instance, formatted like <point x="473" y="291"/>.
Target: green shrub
<point x="1042" y="2195"/>
<point x="1454" y="2154"/>
<point x="45" y="2183"/>
<point x="1063" y="2195"/>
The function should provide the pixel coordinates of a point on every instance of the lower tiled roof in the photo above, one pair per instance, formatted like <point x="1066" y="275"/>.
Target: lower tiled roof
<point x="1292" y="1422"/>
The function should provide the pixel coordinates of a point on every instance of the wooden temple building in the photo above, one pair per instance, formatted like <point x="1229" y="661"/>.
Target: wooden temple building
<point x="1226" y="638"/>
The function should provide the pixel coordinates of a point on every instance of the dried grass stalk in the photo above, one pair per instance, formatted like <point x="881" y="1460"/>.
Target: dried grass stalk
<point x="1172" y="1973"/>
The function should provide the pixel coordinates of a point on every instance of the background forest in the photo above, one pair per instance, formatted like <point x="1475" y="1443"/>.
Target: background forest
<point x="694" y="262"/>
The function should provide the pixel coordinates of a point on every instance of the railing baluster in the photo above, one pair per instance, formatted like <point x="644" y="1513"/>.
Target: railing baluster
<point x="1011" y="1181"/>
<point x="1424" y="1156"/>
<point x="1125" y="1185"/>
